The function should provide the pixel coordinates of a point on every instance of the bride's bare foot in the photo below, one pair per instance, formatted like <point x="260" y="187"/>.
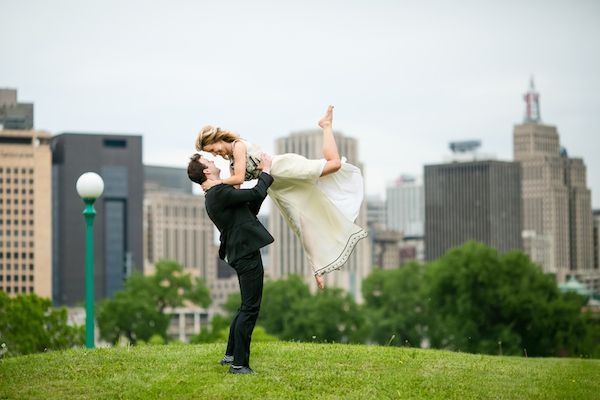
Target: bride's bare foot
<point x="320" y="281"/>
<point x="327" y="119"/>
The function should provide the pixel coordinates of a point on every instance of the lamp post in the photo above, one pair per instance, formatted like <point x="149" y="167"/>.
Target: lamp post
<point x="89" y="186"/>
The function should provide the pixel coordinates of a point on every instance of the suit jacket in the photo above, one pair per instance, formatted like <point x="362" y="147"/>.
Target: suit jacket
<point x="234" y="212"/>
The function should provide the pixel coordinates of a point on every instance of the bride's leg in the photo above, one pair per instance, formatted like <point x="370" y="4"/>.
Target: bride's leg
<point x="320" y="281"/>
<point x="330" y="151"/>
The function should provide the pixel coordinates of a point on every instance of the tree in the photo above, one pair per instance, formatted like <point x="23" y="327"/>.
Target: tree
<point x="137" y="312"/>
<point x="29" y="324"/>
<point x="331" y="315"/>
<point x="278" y="298"/>
<point x="483" y="302"/>
<point x="394" y="301"/>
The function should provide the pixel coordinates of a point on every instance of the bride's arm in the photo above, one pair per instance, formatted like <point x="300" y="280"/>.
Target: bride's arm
<point x="239" y="165"/>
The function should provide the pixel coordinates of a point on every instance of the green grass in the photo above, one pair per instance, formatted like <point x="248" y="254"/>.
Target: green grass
<point x="294" y="371"/>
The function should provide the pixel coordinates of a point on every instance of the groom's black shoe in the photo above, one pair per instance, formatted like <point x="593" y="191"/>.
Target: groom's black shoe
<point x="240" y="370"/>
<point x="226" y="360"/>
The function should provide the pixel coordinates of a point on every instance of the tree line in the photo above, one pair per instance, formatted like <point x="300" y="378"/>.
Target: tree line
<point x="473" y="299"/>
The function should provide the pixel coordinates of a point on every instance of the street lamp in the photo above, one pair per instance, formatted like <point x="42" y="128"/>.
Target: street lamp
<point x="89" y="186"/>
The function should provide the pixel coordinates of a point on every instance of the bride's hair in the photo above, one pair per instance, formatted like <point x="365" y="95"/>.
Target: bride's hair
<point x="212" y="134"/>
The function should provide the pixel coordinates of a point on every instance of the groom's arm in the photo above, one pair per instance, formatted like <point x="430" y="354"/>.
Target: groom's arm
<point x="257" y="194"/>
<point x="256" y="204"/>
<point x="266" y="162"/>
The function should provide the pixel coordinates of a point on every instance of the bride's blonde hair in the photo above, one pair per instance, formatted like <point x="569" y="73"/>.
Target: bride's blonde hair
<point x="213" y="134"/>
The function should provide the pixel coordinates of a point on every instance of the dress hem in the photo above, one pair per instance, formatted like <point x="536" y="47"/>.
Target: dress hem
<point x="341" y="260"/>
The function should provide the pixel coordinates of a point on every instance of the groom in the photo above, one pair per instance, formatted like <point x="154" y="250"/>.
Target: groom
<point x="234" y="212"/>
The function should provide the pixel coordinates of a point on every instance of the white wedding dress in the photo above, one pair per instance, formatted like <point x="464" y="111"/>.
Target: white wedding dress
<point x="320" y="210"/>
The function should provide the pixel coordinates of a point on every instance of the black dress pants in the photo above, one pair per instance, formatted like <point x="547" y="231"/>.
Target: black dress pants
<point x="250" y="274"/>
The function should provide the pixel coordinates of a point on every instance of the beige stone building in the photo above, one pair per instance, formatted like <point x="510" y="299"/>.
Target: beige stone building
<point x="287" y="256"/>
<point x="25" y="212"/>
<point x="557" y="213"/>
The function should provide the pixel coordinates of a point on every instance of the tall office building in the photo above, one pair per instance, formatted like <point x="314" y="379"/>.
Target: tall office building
<point x="177" y="227"/>
<point x="287" y="255"/>
<point x="14" y="115"/>
<point x="405" y="206"/>
<point x="557" y="212"/>
<point x="118" y="232"/>
<point x="478" y="200"/>
<point x="596" y="239"/>
<point x="25" y="218"/>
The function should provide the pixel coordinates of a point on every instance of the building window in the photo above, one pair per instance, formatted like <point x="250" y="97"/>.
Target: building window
<point x="115" y="143"/>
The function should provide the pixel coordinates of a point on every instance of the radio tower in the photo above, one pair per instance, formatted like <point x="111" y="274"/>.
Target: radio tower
<point x="532" y="100"/>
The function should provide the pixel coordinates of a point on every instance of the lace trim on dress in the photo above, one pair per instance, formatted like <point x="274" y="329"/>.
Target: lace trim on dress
<point x="341" y="260"/>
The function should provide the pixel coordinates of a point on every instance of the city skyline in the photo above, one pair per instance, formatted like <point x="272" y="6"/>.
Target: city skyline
<point x="406" y="78"/>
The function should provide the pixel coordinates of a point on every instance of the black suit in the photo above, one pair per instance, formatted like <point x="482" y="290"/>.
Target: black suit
<point x="234" y="212"/>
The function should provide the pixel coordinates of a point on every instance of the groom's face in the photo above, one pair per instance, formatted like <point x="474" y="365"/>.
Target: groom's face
<point x="210" y="167"/>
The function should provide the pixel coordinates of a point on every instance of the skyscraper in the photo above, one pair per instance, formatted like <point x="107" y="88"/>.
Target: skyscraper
<point x="287" y="255"/>
<point x="477" y="200"/>
<point x="14" y="115"/>
<point x="557" y="213"/>
<point x="118" y="225"/>
<point x="405" y="206"/>
<point x="25" y="218"/>
<point x="597" y="244"/>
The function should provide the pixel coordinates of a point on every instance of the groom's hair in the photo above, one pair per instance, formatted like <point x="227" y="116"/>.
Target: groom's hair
<point x="196" y="169"/>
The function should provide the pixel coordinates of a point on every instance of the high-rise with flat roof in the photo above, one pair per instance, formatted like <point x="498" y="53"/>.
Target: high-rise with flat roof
<point x="596" y="238"/>
<point x="118" y="232"/>
<point x="25" y="217"/>
<point x="557" y="212"/>
<point x="477" y="200"/>
<point x="14" y="115"/>
<point x="287" y="255"/>
<point x="405" y="206"/>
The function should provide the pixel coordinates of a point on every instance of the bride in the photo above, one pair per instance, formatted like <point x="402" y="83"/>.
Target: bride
<point x="319" y="199"/>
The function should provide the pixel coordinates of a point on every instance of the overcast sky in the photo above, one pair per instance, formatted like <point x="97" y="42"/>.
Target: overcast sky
<point x="406" y="77"/>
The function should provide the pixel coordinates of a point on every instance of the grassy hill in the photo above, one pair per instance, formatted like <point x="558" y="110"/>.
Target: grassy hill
<point x="294" y="370"/>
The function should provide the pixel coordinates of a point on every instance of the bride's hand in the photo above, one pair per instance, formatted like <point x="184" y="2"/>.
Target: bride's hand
<point x="210" y="183"/>
<point x="265" y="163"/>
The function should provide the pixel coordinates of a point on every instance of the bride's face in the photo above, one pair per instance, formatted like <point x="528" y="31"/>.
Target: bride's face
<point x="219" y="148"/>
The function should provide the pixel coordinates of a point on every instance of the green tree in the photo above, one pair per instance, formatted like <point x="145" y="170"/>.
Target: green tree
<point x="29" y="324"/>
<point x="278" y="298"/>
<point x="331" y="315"/>
<point x="395" y="305"/>
<point x="137" y="312"/>
<point x="483" y="302"/>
